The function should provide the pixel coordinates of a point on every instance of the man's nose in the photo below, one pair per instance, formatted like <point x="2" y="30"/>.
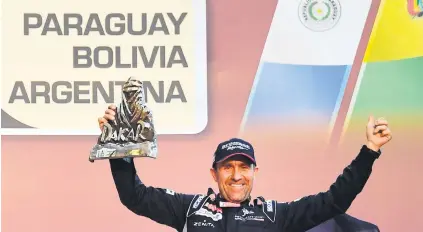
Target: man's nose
<point x="236" y="175"/>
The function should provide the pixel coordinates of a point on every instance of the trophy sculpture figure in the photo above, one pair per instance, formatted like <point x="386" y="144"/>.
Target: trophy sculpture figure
<point x="132" y="133"/>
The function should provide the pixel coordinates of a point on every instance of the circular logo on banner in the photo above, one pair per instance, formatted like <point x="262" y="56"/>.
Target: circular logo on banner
<point x="319" y="15"/>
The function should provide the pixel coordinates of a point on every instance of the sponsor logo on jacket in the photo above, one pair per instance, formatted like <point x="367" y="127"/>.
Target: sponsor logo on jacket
<point x="206" y="213"/>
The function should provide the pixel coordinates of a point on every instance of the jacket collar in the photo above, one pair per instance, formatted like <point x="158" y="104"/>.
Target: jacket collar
<point x="223" y="203"/>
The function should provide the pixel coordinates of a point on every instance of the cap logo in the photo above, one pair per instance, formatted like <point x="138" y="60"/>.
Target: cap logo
<point x="235" y="145"/>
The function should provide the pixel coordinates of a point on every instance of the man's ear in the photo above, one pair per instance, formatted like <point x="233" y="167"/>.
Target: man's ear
<point x="213" y="172"/>
<point x="256" y="169"/>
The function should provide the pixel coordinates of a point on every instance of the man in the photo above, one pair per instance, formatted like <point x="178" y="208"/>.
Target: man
<point x="232" y="209"/>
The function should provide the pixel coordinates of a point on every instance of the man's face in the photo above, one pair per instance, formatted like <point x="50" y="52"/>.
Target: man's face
<point x="235" y="177"/>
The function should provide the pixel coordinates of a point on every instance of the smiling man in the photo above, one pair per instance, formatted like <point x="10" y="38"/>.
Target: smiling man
<point x="234" y="168"/>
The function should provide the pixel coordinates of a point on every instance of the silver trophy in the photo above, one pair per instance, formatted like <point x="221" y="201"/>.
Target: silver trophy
<point x="132" y="133"/>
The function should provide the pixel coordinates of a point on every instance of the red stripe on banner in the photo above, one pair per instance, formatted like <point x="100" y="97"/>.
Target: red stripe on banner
<point x="355" y="71"/>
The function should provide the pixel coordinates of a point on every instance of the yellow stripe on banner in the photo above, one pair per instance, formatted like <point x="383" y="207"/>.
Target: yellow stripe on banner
<point x="396" y="34"/>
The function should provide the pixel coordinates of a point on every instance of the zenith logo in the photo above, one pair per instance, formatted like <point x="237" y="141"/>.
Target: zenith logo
<point x="415" y="8"/>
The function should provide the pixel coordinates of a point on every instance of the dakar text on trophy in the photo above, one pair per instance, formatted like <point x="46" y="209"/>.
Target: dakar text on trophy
<point x="132" y="133"/>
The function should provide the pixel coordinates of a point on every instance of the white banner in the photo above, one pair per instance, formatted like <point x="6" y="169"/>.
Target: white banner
<point x="64" y="62"/>
<point x="316" y="32"/>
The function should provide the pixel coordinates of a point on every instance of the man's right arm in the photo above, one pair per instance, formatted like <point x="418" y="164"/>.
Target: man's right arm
<point x="161" y="205"/>
<point x="310" y="211"/>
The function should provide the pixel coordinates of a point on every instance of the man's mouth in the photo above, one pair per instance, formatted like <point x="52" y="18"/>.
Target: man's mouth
<point x="237" y="185"/>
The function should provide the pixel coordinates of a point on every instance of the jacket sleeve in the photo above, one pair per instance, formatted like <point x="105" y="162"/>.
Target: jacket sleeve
<point x="161" y="205"/>
<point x="310" y="211"/>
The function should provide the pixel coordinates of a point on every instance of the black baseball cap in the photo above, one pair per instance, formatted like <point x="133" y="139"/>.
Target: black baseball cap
<point x="233" y="147"/>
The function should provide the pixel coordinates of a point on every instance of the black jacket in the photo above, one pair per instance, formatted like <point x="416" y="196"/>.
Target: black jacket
<point x="205" y="212"/>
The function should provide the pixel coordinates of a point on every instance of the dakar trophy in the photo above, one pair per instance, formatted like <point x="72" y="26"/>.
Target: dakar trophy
<point x="132" y="133"/>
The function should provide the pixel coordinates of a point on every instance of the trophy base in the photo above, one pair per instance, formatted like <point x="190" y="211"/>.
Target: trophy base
<point x="116" y="151"/>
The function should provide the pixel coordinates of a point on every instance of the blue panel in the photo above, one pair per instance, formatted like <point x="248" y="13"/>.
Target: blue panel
<point x="288" y="90"/>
